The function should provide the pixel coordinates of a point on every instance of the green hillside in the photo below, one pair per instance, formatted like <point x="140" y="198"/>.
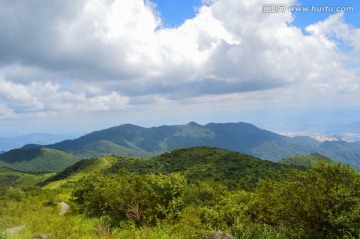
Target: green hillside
<point x="37" y="159"/>
<point x="305" y="160"/>
<point x="206" y="163"/>
<point x="233" y="169"/>
<point x="188" y="193"/>
<point x="13" y="178"/>
<point x="141" y="140"/>
<point x="342" y="151"/>
<point x="105" y="147"/>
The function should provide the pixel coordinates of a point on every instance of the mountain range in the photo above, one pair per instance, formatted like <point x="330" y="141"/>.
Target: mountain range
<point x="135" y="141"/>
<point x="8" y="143"/>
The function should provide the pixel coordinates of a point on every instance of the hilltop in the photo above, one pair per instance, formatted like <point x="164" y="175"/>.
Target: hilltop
<point x="232" y="169"/>
<point x="305" y="160"/>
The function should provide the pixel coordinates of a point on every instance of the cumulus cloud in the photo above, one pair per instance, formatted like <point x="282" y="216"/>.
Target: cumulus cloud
<point x="48" y="97"/>
<point x="91" y="55"/>
<point x="338" y="33"/>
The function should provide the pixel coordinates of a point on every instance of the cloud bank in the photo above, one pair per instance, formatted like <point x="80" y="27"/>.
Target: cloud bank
<point x="91" y="55"/>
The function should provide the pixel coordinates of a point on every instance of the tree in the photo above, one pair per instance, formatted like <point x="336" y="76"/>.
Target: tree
<point x="323" y="201"/>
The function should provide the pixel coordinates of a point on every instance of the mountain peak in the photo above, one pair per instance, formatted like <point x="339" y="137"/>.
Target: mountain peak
<point x="192" y="123"/>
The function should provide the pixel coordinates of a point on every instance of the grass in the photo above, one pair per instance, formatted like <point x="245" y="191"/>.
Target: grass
<point x="94" y="165"/>
<point x="27" y="208"/>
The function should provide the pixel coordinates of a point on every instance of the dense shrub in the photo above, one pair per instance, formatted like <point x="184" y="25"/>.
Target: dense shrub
<point x="144" y="198"/>
<point x="323" y="201"/>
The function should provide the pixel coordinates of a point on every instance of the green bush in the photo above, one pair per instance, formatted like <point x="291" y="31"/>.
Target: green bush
<point x="323" y="201"/>
<point x="143" y="198"/>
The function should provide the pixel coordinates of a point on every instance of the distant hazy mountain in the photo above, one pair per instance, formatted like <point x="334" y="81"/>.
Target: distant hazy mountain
<point x="135" y="141"/>
<point x="35" y="138"/>
<point x="132" y="140"/>
<point x="347" y="152"/>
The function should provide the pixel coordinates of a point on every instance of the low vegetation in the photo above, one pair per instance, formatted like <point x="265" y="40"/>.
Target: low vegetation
<point x="188" y="193"/>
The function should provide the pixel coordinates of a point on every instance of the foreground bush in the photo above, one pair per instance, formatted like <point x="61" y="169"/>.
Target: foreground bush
<point x="143" y="198"/>
<point x="321" y="202"/>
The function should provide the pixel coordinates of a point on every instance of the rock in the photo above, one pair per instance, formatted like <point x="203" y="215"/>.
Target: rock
<point x="14" y="229"/>
<point x="41" y="237"/>
<point x="218" y="235"/>
<point x="64" y="208"/>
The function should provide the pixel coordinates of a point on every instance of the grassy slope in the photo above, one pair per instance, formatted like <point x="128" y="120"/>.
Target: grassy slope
<point x="78" y="170"/>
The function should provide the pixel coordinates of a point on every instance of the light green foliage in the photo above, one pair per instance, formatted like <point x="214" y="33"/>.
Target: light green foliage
<point x="26" y="208"/>
<point x="167" y="194"/>
<point x="323" y="201"/>
<point x="141" y="197"/>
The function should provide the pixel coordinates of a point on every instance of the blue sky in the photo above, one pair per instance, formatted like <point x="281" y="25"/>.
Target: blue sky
<point x="304" y="19"/>
<point x="175" y="12"/>
<point x="106" y="63"/>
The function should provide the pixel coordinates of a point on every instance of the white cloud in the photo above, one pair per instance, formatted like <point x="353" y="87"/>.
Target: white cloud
<point x="337" y="32"/>
<point x="48" y="97"/>
<point x="90" y="55"/>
